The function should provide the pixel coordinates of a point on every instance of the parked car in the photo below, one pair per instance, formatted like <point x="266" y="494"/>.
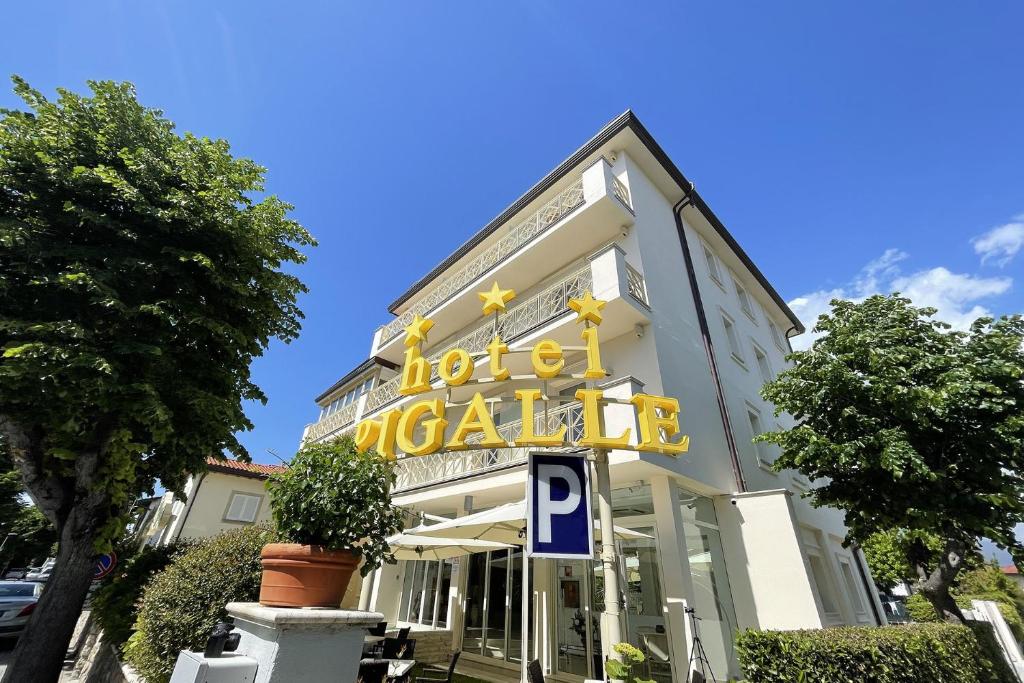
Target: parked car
<point x="16" y="573"/>
<point x="17" y="601"/>
<point x="41" y="573"/>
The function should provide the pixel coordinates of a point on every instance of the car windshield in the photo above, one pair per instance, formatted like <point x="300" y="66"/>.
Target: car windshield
<point x="16" y="590"/>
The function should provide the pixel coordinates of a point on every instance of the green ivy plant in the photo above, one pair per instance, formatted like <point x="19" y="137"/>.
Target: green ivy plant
<point x="623" y="671"/>
<point x="335" y="497"/>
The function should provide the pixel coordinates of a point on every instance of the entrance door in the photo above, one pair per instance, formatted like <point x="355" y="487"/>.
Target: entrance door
<point x="579" y="634"/>
<point x="493" y="610"/>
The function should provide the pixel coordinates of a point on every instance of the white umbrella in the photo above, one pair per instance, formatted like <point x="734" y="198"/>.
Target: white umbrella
<point x="503" y="524"/>
<point x="407" y="546"/>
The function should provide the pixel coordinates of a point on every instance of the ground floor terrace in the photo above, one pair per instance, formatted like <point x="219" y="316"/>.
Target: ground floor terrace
<point x="750" y="560"/>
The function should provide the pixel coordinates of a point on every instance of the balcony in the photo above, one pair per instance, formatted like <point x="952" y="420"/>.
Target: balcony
<point x="589" y="211"/>
<point x="439" y="467"/>
<point x="332" y="423"/>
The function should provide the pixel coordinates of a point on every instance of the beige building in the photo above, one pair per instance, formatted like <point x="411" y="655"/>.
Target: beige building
<point x="688" y="315"/>
<point x="230" y="494"/>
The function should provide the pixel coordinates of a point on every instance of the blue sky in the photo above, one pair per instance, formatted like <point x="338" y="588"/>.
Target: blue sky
<point x="850" y="147"/>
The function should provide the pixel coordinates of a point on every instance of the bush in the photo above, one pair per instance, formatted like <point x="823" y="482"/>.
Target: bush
<point x="182" y="604"/>
<point x="115" y="603"/>
<point x="333" y="496"/>
<point x="920" y="610"/>
<point x="920" y="653"/>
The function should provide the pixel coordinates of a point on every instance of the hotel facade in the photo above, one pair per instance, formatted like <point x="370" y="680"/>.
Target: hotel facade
<point x="688" y="315"/>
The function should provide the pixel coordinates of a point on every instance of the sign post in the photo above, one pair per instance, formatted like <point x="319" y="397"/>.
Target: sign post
<point x="559" y="518"/>
<point x="611" y="628"/>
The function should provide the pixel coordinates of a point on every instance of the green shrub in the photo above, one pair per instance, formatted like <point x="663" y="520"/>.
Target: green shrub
<point x="920" y="610"/>
<point x="333" y="496"/>
<point x="920" y="653"/>
<point x="992" y="657"/>
<point x="182" y="604"/>
<point x="115" y="603"/>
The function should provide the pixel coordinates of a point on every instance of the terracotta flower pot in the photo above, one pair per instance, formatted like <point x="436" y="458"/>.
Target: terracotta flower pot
<point x="304" y="575"/>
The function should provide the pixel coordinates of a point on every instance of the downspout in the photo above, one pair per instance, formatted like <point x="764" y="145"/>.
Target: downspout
<point x="188" y="505"/>
<point x="702" y="320"/>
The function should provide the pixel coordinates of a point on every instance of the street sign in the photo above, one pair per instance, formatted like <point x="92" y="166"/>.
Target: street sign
<point x="559" y="518"/>
<point x="105" y="564"/>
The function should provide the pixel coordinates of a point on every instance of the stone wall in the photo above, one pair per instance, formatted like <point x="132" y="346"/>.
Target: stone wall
<point x="97" y="661"/>
<point x="432" y="647"/>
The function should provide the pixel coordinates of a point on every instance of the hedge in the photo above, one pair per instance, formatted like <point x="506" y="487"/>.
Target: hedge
<point x="918" y="653"/>
<point x="182" y="604"/>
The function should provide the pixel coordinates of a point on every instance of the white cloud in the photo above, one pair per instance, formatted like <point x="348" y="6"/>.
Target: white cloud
<point x="954" y="295"/>
<point x="1001" y="244"/>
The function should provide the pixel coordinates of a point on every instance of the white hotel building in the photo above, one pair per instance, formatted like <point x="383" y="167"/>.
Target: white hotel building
<point x="688" y="316"/>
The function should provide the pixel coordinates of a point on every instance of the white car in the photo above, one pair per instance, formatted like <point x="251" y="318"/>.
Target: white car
<point x="41" y="573"/>
<point x="17" y="601"/>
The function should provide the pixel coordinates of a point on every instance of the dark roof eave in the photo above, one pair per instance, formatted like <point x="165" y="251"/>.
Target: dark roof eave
<point x="625" y="120"/>
<point x="358" y="370"/>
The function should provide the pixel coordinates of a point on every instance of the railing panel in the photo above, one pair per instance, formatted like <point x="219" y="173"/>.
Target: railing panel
<point x="333" y="422"/>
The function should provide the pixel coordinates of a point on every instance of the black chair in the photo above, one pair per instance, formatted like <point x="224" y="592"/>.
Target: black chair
<point x="534" y="672"/>
<point x="403" y="633"/>
<point x="438" y="676"/>
<point x="372" y="672"/>
<point x="379" y="629"/>
<point x="396" y="648"/>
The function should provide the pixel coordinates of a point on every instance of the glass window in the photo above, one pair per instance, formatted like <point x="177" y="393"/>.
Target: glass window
<point x="824" y="586"/>
<point x="764" y="450"/>
<point x="763" y="364"/>
<point x="851" y="586"/>
<point x="242" y="508"/>
<point x="741" y="294"/>
<point x="714" y="270"/>
<point x="776" y="335"/>
<point x="712" y="599"/>
<point x="733" y="338"/>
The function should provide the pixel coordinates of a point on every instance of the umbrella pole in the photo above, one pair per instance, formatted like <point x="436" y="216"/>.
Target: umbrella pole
<point x="524" y="620"/>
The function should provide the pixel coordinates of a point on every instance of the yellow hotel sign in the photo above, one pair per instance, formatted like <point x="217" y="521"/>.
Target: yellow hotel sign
<point x="657" y="416"/>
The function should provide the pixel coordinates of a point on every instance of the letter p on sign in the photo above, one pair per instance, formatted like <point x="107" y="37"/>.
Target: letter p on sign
<point x="558" y="511"/>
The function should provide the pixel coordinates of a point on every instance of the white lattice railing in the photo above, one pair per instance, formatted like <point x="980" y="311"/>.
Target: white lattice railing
<point x="562" y="204"/>
<point x="621" y="193"/>
<point x="439" y="467"/>
<point x="547" y="304"/>
<point x="333" y="422"/>
<point x="635" y="285"/>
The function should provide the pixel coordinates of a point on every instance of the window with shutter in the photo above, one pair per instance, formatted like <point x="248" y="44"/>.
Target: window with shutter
<point x="243" y="508"/>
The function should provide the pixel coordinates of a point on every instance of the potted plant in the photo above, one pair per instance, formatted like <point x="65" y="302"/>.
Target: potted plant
<point x="334" y="506"/>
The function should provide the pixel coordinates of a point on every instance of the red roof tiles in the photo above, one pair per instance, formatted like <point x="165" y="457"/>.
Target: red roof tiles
<point x="243" y="468"/>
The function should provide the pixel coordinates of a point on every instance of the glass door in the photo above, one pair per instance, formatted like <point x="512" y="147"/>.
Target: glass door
<point x="493" y="610"/>
<point x="579" y="634"/>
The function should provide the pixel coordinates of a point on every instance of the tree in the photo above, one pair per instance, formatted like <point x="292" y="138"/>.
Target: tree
<point x="913" y="426"/>
<point x="34" y="536"/>
<point x="887" y="551"/>
<point x="141" y="271"/>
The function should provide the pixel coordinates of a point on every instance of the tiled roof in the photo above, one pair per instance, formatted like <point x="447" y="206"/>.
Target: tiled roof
<point x="243" y="468"/>
<point x="1010" y="569"/>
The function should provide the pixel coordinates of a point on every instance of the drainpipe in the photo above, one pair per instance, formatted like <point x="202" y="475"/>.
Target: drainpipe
<point x="734" y="458"/>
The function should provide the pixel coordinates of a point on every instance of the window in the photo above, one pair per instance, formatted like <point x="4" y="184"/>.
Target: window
<point x="744" y="297"/>
<point x="776" y="335"/>
<point x="820" y="575"/>
<point x="347" y="399"/>
<point x="733" y="337"/>
<point x="425" y="592"/>
<point x="714" y="269"/>
<point x="763" y="450"/>
<point x="243" y="508"/>
<point x="851" y="586"/>
<point x="762" y="363"/>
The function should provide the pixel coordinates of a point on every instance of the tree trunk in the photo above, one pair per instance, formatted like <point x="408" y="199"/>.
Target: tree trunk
<point x="935" y="585"/>
<point x="39" y="655"/>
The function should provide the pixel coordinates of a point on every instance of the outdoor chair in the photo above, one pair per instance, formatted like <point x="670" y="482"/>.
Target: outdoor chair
<point x="403" y="633"/>
<point x="375" y="672"/>
<point x="439" y="676"/>
<point x="396" y="648"/>
<point x="379" y="629"/>
<point x="534" y="672"/>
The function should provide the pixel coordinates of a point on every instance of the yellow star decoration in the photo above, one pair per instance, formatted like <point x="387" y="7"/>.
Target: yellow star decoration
<point x="587" y="308"/>
<point x="416" y="331"/>
<point x="496" y="299"/>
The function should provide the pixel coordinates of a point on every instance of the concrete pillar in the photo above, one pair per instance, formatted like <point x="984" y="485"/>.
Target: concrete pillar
<point x="301" y="644"/>
<point x="676" y="581"/>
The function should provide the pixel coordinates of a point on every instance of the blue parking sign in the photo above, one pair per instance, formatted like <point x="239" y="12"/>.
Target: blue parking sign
<point x="559" y="519"/>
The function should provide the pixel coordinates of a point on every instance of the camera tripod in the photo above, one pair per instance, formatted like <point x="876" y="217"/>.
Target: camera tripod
<point x="698" y="656"/>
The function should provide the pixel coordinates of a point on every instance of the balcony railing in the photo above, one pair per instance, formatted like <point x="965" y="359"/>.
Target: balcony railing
<point x="621" y="193"/>
<point x="635" y="285"/>
<point x="333" y="422"/>
<point x="429" y="469"/>
<point x="544" y="306"/>
<point x="561" y="205"/>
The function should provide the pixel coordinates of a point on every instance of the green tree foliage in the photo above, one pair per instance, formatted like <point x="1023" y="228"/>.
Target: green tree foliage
<point x="181" y="605"/>
<point x="333" y="496"/>
<point x="115" y="602"/>
<point x="623" y="671"/>
<point x="141" y="271"/>
<point x="887" y="553"/>
<point x="34" y="535"/>
<point x="911" y="426"/>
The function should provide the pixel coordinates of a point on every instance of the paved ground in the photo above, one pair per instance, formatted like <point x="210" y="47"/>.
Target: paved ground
<point x="6" y="647"/>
